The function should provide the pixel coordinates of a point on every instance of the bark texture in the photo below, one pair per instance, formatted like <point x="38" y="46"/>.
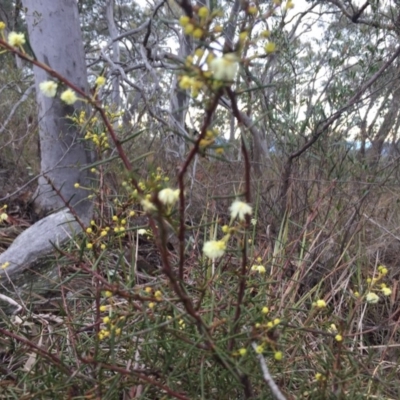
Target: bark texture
<point x="56" y="39"/>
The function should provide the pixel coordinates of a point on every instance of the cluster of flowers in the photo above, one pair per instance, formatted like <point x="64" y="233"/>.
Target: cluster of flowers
<point x="221" y="69"/>
<point x="68" y="96"/>
<point x="371" y="297"/>
<point x="158" y="297"/>
<point x="3" y="214"/>
<point x="97" y="235"/>
<point x="14" y="39"/>
<point x="216" y="248"/>
<point x="111" y="323"/>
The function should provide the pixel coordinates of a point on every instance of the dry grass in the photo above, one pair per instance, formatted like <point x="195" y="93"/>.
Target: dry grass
<point x="325" y="246"/>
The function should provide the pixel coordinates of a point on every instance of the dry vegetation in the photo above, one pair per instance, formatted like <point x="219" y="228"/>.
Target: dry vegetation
<point x="137" y="312"/>
<point x="115" y="326"/>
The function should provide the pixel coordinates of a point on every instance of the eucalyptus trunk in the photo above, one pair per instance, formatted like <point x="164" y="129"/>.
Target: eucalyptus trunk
<point x="56" y="39"/>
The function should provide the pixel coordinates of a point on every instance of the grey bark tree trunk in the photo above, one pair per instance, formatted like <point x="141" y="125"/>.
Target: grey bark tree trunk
<point x="179" y="100"/>
<point x="112" y="29"/>
<point x="56" y="39"/>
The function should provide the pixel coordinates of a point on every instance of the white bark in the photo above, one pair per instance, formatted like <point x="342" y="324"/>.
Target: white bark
<point x="56" y="39"/>
<point x="37" y="241"/>
<point x="112" y="29"/>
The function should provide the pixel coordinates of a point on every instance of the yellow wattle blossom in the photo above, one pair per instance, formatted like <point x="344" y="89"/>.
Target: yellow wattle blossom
<point x="278" y="355"/>
<point x="68" y="96"/>
<point x="259" y="268"/>
<point x="198" y="33"/>
<point x="243" y="36"/>
<point x="214" y="248"/>
<point x="320" y="303"/>
<point x="259" y="349"/>
<point x="225" y="229"/>
<point x="242" y="352"/>
<point x="3" y="217"/>
<point x="158" y="295"/>
<point x="265" y="33"/>
<point x="265" y="310"/>
<point x="225" y="68"/>
<point x="168" y="196"/>
<point x="339" y="338"/>
<point x="184" y="20"/>
<point x="48" y="88"/>
<point x="147" y="205"/>
<point x="5" y="265"/>
<point x="252" y="10"/>
<point x="289" y="5"/>
<point x="332" y="329"/>
<point x="16" y="39"/>
<point x="320" y="377"/>
<point x="100" y="81"/>
<point x="270" y="47"/>
<point x="203" y="12"/>
<point x="240" y="209"/>
<point x="372" y="298"/>
<point x="383" y="270"/>
<point x="2" y="26"/>
<point x="189" y="28"/>
<point x="386" y="291"/>
<point x="199" y="53"/>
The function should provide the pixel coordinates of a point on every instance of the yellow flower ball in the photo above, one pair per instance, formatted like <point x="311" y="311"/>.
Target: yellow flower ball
<point x="270" y="47"/>
<point x="240" y="209"/>
<point x="16" y="39"/>
<point x="203" y="12"/>
<point x="214" y="248"/>
<point x="100" y="81"/>
<point x="48" y="88"/>
<point x="189" y="28"/>
<point x="372" y="298"/>
<point x="320" y="303"/>
<point x="259" y="349"/>
<point x="68" y="97"/>
<point x="242" y="352"/>
<point x="198" y="33"/>
<point x="184" y="20"/>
